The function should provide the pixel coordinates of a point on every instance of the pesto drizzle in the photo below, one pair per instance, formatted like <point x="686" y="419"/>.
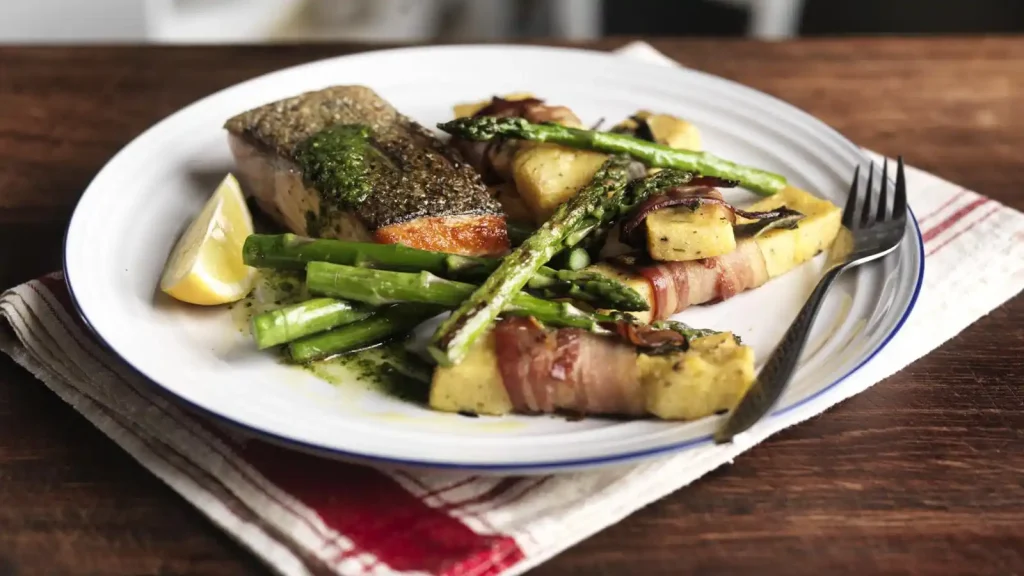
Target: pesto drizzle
<point x="389" y="368"/>
<point x="342" y="163"/>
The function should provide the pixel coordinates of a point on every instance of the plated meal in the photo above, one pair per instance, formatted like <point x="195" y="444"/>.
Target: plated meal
<point x="353" y="258"/>
<point x="556" y="256"/>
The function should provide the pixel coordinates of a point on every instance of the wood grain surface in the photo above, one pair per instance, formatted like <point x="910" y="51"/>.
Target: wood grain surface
<point x="922" y="474"/>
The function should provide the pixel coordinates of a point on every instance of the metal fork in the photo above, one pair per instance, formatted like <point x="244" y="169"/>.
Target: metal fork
<point x="875" y="232"/>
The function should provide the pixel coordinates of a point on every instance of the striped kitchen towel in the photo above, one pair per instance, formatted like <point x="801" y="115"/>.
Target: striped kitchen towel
<point x="304" y="515"/>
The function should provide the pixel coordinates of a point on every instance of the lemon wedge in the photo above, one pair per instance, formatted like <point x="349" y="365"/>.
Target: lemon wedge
<point x="205" y="267"/>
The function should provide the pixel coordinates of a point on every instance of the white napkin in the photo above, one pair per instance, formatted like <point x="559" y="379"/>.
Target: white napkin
<point x="303" y="515"/>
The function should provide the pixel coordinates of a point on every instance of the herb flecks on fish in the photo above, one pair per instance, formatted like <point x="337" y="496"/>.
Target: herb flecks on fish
<point x="342" y="163"/>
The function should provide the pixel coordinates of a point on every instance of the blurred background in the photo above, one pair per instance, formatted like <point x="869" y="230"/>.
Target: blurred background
<point x="234" y="21"/>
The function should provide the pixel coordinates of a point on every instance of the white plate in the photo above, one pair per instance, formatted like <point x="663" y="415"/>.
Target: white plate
<point x="131" y="214"/>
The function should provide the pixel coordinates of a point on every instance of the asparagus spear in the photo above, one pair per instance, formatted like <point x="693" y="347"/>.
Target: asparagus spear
<point x="586" y="286"/>
<point x="392" y="322"/>
<point x="379" y="287"/>
<point x="304" y="318"/>
<point x="653" y="155"/>
<point x="575" y="258"/>
<point x="290" y="252"/>
<point x="458" y="332"/>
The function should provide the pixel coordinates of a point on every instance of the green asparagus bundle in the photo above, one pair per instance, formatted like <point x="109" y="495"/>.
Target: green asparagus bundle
<point x="424" y="290"/>
<point x="290" y="252"/>
<point x="381" y="287"/>
<point x="387" y="324"/>
<point x="652" y="154"/>
<point x="458" y="332"/>
<point x="303" y="319"/>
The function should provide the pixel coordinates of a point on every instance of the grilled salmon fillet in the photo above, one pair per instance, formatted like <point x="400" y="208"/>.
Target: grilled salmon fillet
<point x="343" y="163"/>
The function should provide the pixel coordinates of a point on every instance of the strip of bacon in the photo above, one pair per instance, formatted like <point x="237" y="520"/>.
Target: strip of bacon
<point x="493" y="159"/>
<point x="566" y="370"/>
<point x="679" y="285"/>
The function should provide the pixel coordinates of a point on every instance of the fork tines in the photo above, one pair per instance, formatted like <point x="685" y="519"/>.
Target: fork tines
<point x="861" y="202"/>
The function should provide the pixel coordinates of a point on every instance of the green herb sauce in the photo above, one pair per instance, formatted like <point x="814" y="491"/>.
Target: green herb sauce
<point x="342" y="163"/>
<point x="271" y="290"/>
<point x="390" y="368"/>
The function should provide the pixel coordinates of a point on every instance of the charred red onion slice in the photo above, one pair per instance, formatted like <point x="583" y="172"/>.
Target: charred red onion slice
<point x="713" y="182"/>
<point x="632" y="233"/>
<point x="532" y="109"/>
<point x="640" y="129"/>
<point x="780" y="212"/>
<point x="662" y="337"/>
<point x="501" y="107"/>
<point x="649" y="339"/>
<point x="765" y="224"/>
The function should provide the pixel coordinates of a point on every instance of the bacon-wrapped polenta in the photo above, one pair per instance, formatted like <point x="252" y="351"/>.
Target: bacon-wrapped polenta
<point x="671" y="287"/>
<point x="521" y="367"/>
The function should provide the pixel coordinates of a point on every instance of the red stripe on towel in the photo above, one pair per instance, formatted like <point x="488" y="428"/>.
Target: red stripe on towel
<point x="944" y="205"/>
<point x="953" y="218"/>
<point x="962" y="232"/>
<point x="382" y="518"/>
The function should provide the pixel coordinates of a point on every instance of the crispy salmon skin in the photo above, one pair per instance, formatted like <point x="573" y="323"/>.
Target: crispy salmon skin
<point x="419" y="191"/>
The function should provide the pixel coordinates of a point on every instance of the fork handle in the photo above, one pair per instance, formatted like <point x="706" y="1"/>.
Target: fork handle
<point x="777" y="371"/>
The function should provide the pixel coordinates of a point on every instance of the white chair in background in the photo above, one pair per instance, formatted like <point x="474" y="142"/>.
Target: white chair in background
<point x="576" y="19"/>
<point x="65" y="21"/>
<point x="372" y="20"/>
<point x="175" y="21"/>
<point x="771" y="19"/>
<point x="497" y="19"/>
<point x="225" y="21"/>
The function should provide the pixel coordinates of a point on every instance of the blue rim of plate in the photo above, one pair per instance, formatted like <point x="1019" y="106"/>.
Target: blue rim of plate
<point x="558" y="464"/>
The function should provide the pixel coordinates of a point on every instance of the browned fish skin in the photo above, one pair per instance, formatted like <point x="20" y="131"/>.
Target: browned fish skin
<point x="433" y="179"/>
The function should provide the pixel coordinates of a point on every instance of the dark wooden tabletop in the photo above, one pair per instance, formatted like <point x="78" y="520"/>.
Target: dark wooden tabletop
<point x="921" y="474"/>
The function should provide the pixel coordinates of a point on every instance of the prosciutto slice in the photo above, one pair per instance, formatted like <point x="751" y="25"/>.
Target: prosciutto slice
<point x="493" y="159"/>
<point x="679" y="285"/>
<point x="567" y="370"/>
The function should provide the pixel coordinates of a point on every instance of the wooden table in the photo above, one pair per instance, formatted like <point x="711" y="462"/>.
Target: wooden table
<point x="923" y="474"/>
